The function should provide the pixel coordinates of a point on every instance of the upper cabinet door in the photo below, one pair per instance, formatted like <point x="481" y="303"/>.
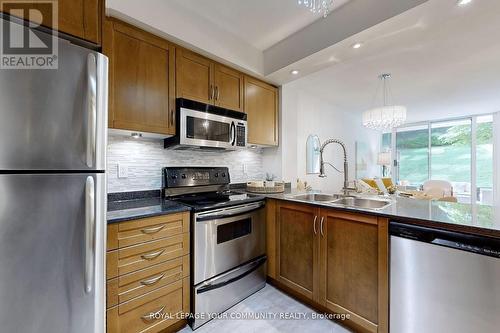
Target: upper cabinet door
<point x="194" y="77"/>
<point x="261" y="106"/>
<point x="141" y="79"/>
<point x="228" y="88"/>
<point x="80" y="18"/>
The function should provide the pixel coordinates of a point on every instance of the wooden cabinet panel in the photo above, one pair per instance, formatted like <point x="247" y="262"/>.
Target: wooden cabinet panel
<point x="228" y="88"/>
<point x="194" y="75"/>
<point x="135" y="316"/>
<point x="261" y="107"/>
<point x="80" y="18"/>
<point x="271" y="206"/>
<point x="129" y="286"/>
<point x="350" y="263"/>
<point x="148" y="229"/>
<point x="132" y="258"/>
<point x="141" y="79"/>
<point x="297" y="251"/>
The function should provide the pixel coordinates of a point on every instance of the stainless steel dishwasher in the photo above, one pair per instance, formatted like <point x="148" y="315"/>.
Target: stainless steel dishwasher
<point x="443" y="281"/>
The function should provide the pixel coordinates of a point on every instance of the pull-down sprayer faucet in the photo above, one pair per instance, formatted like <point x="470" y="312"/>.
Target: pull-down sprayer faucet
<point x="346" y="166"/>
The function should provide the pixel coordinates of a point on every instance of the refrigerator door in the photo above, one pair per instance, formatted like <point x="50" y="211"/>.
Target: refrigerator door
<point x="55" y="119"/>
<point x="52" y="253"/>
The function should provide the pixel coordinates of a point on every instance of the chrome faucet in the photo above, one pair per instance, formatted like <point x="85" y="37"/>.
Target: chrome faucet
<point x="346" y="166"/>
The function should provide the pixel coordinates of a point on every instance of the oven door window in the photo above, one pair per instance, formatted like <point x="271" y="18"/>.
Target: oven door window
<point x="205" y="129"/>
<point x="233" y="230"/>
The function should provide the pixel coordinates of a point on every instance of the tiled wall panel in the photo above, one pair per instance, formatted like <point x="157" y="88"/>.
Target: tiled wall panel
<point x="145" y="158"/>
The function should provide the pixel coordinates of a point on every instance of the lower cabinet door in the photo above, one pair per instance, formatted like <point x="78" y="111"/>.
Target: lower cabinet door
<point x="152" y="312"/>
<point x="350" y="265"/>
<point x="298" y="248"/>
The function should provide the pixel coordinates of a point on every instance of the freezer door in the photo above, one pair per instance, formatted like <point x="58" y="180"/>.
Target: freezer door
<point x="52" y="253"/>
<point x="55" y="119"/>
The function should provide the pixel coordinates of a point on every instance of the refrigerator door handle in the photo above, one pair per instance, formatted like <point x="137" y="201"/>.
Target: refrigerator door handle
<point x="91" y="108"/>
<point x="89" y="233"/>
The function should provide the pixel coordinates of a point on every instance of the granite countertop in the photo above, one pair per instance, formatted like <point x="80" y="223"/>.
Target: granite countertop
<point x="469" y="218"/>
<point x="134" y="205"/>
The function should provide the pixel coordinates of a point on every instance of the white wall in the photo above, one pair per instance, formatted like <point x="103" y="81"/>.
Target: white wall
<point x="302" y="114"/>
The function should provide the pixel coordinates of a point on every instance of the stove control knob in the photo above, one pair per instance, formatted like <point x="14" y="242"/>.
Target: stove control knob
<point x="223" y="174"/>
<point x="183" y="176"/>
<point x="173" y="176"/>
<point x="216" y="175"/>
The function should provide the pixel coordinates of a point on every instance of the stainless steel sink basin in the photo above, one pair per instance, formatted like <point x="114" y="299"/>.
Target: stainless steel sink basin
<point x="319" y="197"/>
<point x="362" y="203"/>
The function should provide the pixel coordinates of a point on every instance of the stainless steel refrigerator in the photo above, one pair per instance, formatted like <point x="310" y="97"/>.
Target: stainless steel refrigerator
<point x="53" y="194"/>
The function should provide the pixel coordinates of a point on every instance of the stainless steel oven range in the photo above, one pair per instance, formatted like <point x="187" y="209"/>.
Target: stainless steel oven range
<point x="228" y="238"/>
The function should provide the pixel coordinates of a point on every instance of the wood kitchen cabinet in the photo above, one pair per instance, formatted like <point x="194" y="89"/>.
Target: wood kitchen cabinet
<point x="194" y="76"/>
<point x="261" y="107"/>
<point x="203" y="80"/>
<point x="337" y="260"/>
<point x="79" y="18"/>
<point x="147" y="271"/>
<point x="141" y="79"/>
<point x="353" y="267"/>
<point x="228" y="88"/>
<point x="298" y="248"/>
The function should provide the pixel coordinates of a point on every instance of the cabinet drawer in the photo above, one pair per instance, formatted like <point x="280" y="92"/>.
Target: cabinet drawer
<point x="134" y="316"/>
<point x="144" y="230"/>
<point x="133" y="258"/>
<point x="129" y="286"/>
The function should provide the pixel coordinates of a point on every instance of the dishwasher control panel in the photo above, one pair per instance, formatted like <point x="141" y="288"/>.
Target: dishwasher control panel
<point x="460" y="241"/>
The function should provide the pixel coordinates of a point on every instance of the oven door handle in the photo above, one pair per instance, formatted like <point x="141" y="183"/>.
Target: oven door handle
<point x="228" y="212"/>
<point x="225" y="279"/>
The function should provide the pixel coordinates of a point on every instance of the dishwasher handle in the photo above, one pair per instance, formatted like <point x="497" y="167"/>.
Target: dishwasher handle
<point x="482" y="245"/>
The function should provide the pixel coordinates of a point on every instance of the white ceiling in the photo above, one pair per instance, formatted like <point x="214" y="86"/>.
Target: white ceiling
<point x="256" y="36"/>
<point x="261" y="23"/>
<point x="445" y="62"/>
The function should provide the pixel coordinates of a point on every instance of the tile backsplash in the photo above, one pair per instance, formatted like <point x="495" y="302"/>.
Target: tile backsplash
<point x="145" y="158"/>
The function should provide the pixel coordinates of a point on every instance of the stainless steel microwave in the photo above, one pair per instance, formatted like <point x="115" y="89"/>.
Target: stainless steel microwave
<point x="204" y="125"/>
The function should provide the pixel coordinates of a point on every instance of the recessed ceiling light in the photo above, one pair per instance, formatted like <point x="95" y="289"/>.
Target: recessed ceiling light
<point x="357" y="45"/>
<point x="294" y="72"/>
<point x="463" y="2"/>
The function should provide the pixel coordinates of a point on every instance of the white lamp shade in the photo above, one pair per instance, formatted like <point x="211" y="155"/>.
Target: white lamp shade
<point x="384" y="158"/>
<point x="385" y="117"/>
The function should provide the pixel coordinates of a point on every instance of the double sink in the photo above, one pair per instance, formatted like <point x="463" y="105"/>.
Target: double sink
<point x="344" y="200"/>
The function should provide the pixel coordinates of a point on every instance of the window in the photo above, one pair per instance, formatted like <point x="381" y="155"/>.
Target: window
<point x="484" y="159"/>
<point x="412" y="152"/>
<point x="450" y="157"/>
<point x="459" y="151"/>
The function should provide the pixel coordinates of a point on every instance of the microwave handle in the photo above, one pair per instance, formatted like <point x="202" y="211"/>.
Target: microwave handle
<point x="233" y="133"/>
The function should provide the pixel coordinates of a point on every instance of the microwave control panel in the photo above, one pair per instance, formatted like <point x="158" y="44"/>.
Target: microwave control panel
<point x="240" y="136"/>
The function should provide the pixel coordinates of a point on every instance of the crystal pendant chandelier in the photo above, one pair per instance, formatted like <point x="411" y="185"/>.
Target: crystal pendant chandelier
<point x="317" y="6"/>
<point x="387" y="116"/>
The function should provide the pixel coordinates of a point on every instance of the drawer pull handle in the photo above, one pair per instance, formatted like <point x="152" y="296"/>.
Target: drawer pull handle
<point x="152" y="230"/>
<point x="152" y="280"/>
<point x="151" y="256"/>
<point x="153" y="315"/>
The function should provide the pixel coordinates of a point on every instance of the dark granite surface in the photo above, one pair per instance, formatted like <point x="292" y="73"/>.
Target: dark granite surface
<point x="130" y="206"/>
<point x="469" y="218"/>
<point x="474" y="219"/>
